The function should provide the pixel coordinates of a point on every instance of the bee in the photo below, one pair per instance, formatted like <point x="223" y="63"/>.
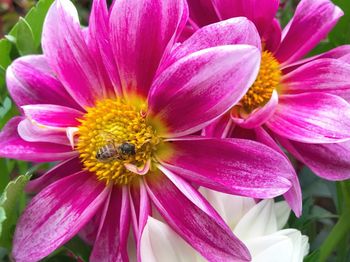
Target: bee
<point x="114" y="151"/>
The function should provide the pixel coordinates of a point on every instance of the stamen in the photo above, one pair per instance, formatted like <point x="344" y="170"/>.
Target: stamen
<point x="268" y="79"/>
<point x="115" y="134"/>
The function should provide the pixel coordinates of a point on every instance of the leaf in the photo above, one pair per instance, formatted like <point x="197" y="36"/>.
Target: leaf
<point x="3" y="90"/>
<point x="8" y="206"/>
<point x="25" y="38"/>
<point x="5" y="49"/>
<point x="341" y="33"/>
<point x="2" y="218"/>
<point x="6" y="167"/>
<point x="7" y="111"/>
<point x="313" y="257"/>
<point x="35" y="19"/>
<point x="79" y="248"/>
<point x="60" y="258"/>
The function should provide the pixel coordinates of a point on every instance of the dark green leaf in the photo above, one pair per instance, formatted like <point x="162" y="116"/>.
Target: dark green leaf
<point x="79" y="248"/>
<point x="313" y="257"/>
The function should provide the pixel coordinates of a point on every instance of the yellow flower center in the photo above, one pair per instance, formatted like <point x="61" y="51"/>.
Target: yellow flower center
<point x="268" y="79"/>
<point x="114" y="134"/>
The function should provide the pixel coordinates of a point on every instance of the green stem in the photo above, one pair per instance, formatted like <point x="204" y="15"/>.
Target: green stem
<point x="342" y="227"/>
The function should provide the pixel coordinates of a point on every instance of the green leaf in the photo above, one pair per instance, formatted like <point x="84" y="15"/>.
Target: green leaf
<point x="341" y="33"/>
<point x="6" y="167"/>
<point x="2" y="218"/>
<point x="25" y="38"/>
<point x="34" y="20"/>
<point x="3" y="90"/>
<point x="5" y="49"/>
<point x="341" y="230"/>
<point x="8" y="206"/>
<point x="36" y="17"/>
<point x="79" y="248"/>
<point x="313" y="257"/>
<point x="60" y="258"/>
<point x="7" y="111"/>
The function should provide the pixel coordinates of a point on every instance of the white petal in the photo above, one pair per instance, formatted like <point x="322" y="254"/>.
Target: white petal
<point x="231" y="208"/>
<point x="305" y="246"/>
<point x="300" y="245"/>
<point x="273" y="248"/>
<point x="282" y="211"/>
<point x="259" y="221"/>
<point x="160" y="243"/>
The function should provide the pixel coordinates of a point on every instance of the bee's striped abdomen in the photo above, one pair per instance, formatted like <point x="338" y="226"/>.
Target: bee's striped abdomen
<point x="106" y="152"/>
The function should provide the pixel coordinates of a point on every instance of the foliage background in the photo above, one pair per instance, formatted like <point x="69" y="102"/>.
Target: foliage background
<point x="326" y="211"/>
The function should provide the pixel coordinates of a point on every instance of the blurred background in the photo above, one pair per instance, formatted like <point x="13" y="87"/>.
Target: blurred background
<point x="11" y="10"/>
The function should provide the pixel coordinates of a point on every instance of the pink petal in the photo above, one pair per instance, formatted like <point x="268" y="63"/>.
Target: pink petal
<point x="312" y="118"/>
<point x="32" y="132"/>
<point x="220" y="128"/>
<point x="193" y="195"/>
<point x="272" y="36"/>
<point x="30" y="81"/>
<point x="312" y="21"/>
<point x="140" y="210"/>
<point x="56" y="214"/>
<point x="321" y="75"/>
<point x="259" y="116"/>
<point x="261" y="12"/>
<point x="202" y="86"/>
<point x="111" y="240"/>
<point x="67" y="53"/>
<point x="13" y="146"/>
<point x="142" y="32"/>
<point x="201" y="231"/>
<point x="229" y="32"/>
<point x="100" y="44"/>
<point x="63" y="169"/>
<point x="234" y="166"/>
<point x="53" y="115"/>
<point x="202" y="12"/>
<point x="329" y="161"/>
<point x="340" y="52"/>
<point x="143" y="170"/>
<point x="293" y="196"/>
<point x="89" y="232"/>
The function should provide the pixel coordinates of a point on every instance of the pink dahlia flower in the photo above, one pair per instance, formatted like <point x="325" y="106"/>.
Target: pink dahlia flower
<point x="118" y="109"/>
<point x="301" y="104"/>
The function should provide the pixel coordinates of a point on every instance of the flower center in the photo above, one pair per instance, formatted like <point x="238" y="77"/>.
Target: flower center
<point x="268" y="79"/>
<point x="113" y="135"/>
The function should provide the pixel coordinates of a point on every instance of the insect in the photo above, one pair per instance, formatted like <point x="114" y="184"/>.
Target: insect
<point x="112" y="151"/>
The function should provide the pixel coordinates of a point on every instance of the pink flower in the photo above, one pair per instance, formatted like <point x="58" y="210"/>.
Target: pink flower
<point x="301" y="104"/>
<point x="118" y="110"/>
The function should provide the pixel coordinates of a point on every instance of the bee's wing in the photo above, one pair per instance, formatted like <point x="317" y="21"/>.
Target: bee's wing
<point x="108" y="137"/>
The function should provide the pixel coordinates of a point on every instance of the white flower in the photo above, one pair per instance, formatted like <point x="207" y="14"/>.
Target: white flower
<point x="259" y="226"/>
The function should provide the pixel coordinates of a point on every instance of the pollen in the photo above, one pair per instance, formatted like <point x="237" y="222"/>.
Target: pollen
<point x="112" y="135"/>
<point x="268" y="79"/>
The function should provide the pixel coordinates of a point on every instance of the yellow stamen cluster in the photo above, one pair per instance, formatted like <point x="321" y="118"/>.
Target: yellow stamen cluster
<point x="268" y="79"/>
<point x="109" y="124"/>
